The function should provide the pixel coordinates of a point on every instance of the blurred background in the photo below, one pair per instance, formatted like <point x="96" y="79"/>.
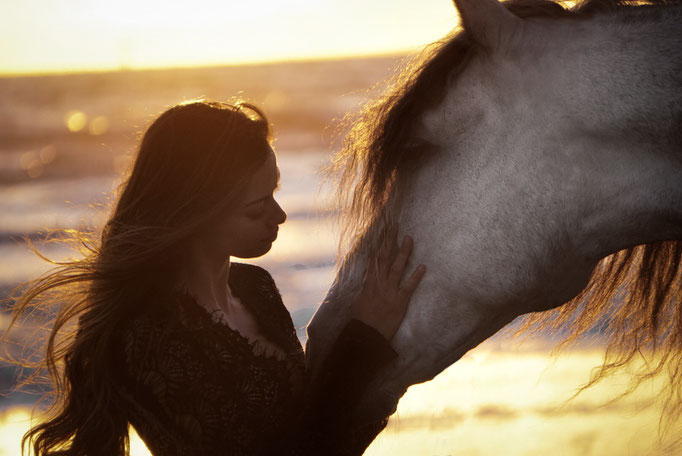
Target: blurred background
<point x="81" y="79"/>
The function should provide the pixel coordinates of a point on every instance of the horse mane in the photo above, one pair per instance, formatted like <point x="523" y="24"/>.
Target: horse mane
<point x="631" y="295"/>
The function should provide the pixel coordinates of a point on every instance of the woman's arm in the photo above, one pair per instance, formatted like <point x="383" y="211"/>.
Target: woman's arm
<point x="358" y="354"/>
<point x="361" y="350"/>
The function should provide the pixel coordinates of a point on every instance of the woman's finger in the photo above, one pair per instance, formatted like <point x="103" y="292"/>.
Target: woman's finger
<point x="408" y="288"/>
<point x="398" y="266"/>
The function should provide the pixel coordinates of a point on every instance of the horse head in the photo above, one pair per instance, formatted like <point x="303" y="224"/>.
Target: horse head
<point x="534" y="143"/>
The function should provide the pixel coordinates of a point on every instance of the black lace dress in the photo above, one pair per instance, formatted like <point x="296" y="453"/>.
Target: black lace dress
<point x="198" y="387"/>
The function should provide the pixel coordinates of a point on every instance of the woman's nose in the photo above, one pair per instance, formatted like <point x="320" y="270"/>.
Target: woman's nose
<point x="280" y="215"/>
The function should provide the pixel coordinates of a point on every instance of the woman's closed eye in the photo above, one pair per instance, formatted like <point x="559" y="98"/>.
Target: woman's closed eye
<point x="256" y="210"/>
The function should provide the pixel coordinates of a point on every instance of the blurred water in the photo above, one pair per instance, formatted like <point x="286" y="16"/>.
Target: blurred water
<point x="493" y="402"/>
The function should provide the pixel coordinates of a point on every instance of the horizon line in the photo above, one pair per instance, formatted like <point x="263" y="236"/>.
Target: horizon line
<point x="244" y="63"/>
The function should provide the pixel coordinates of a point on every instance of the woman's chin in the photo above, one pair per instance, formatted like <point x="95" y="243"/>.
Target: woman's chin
<point x="256" y="252"/>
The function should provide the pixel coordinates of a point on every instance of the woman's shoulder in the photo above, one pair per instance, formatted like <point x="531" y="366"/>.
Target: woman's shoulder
<point x="258" y="290"/>
<point x="254" y="283"/>
<point x="159" y="318"/>
<point x="245" y="272"/>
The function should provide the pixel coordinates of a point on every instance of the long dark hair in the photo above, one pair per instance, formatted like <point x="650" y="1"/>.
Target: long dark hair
<point x="191" y="164"/>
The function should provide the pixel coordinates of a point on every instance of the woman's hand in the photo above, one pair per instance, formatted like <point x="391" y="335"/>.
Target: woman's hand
<point x="382" y="302"/>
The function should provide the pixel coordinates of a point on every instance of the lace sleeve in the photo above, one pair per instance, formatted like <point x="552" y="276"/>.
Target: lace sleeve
<point x="358" y="354"/>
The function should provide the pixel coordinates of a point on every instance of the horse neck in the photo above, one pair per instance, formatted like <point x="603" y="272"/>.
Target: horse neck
<point x="619" y="74"/>
<point x="622" y="95"/>
<point x="629" y="196"/>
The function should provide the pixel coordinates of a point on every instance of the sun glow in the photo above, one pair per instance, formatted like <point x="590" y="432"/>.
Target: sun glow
<point x="16" y="421"/>
<point x="518" y="404"/>
<point x="76" y="35"/>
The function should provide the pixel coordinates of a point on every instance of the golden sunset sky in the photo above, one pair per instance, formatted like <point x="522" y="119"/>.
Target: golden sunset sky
<point x="47" y="36"/>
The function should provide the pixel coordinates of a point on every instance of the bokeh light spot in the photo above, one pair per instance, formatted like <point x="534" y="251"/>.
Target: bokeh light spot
<point x="31" y="163"/>
<point x="99" y="125"/>
<point x="26" y="159"/>
<point x="75" y="120"/>
<point x="48" y="154"/>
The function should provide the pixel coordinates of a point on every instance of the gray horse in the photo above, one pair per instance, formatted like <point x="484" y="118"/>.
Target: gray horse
<point x="531" y="156"/>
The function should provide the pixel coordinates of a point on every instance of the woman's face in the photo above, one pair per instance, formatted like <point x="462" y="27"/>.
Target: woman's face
<point x="249" y="229"/>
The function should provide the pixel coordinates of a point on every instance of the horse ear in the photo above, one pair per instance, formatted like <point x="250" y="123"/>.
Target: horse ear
<point x="488" y="22"/>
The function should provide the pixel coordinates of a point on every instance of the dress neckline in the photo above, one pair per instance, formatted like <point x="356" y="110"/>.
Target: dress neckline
<point x="215" y="317"/>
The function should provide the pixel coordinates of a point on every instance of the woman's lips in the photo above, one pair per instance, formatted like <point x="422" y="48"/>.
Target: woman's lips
<point x="272" y="238"/>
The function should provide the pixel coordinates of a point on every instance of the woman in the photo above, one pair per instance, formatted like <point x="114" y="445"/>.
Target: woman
<point x="195" y="351"/>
